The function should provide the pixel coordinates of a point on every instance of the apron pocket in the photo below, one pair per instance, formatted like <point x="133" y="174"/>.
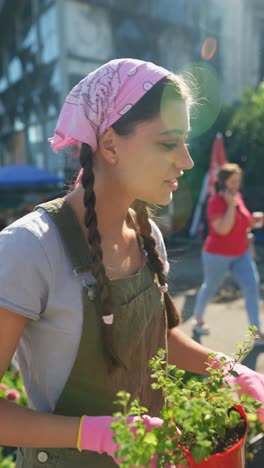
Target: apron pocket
<point x="131" y="320"/>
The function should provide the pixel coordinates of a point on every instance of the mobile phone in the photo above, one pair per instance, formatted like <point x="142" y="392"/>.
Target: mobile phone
<point x="220" y="187"/>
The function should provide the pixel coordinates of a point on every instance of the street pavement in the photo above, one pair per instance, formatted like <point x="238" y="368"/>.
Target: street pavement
<point x="225" y="314"/>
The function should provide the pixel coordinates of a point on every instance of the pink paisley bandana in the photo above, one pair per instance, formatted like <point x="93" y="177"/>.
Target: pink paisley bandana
<point x="101" y="98"/>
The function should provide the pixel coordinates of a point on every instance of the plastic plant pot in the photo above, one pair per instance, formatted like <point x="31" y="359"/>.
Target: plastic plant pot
<point x="234" y="457"/>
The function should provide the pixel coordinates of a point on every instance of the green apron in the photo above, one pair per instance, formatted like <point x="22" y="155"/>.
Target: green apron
<point x="140" y="329"/>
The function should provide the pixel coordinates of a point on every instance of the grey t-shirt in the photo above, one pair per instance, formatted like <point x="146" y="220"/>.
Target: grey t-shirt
<point x="37" y="281"/>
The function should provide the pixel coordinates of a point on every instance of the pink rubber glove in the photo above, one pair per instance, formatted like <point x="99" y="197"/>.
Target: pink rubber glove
<point x="250" y="382"/>
<point x="95" y="434"/>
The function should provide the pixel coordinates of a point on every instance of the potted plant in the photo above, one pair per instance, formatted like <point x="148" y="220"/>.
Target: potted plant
<point x="204" y="421"/>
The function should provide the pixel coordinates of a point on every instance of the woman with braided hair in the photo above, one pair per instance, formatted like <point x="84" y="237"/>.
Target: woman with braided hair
<point x="83" y="293"/>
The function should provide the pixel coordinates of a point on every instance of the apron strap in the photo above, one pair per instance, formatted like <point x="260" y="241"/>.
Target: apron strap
<point x="71" y="233"/>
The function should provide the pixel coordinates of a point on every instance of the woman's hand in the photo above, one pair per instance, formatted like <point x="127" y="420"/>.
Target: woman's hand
<point x="229" y="197"/>
<point x="96" y="435"/>
<point x="224" y="224"/>
<point x="250" y="382"/>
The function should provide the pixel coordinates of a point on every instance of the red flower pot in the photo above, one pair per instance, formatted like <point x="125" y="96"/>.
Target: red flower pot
<point x="231" y="458"/>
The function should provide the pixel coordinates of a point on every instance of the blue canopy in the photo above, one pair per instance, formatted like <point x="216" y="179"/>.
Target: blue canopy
<point x="20" y="175"/>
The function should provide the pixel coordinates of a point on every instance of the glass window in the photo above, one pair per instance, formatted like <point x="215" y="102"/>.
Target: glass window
<point x="138" y="6"/>
<point x="44" y="3"/>
<point x="55" y="78"/>
<point x="15" y="70"/>
<point x="3" y="77"/>
<point x="28" y="53"/>
<point x="30" y="39"/>
<point x="52" y="110"/>
<point x="49" y="90"/>
<point x="6" y="126"/>
<point x="133" y="39"/>
<point x="130" y="30"/>
<point x="33" y="117"/>
<point x="39" y="160"/>
<point x="36" y="145"/>
<point x="3" y="83"/>
<point x="106" y="3"/>
<point x="49" y="35"/>
<point x="35" y="134"/>
<point x="18" y="124"/>
<point x="25" y="18"/>
<point x="172" y="10"/>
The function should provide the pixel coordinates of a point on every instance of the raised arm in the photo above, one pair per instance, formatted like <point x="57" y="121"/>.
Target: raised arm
<point x="224" y="224"/>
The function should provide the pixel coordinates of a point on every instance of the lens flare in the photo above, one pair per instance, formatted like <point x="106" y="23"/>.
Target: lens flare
<point x="207" y="91"/>
<point x="209" y="48"/>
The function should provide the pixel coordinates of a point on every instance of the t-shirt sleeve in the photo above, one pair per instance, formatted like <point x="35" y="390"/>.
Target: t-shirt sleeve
<point x="216" y="208"/>
<point x="160" y="245"/>
<point x="24" y="272"/>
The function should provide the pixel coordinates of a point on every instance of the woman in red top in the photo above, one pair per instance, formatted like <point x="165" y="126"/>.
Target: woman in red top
<point x="226" y="248"/>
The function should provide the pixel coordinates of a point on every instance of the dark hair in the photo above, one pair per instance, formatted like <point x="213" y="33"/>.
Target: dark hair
<point x="147" y="108"/>
<point x="226" y="171"/>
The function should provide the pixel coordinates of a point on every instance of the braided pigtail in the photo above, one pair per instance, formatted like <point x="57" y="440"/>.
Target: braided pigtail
<point x="98" y="269"/>
<point x="154" y="261"/>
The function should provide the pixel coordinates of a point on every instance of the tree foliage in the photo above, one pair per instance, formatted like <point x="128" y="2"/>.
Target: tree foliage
<point x="246" y="143"/>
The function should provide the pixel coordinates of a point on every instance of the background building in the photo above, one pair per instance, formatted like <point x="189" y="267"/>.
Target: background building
<point x="47" y="46"/>
<point x="240" y="26"/>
